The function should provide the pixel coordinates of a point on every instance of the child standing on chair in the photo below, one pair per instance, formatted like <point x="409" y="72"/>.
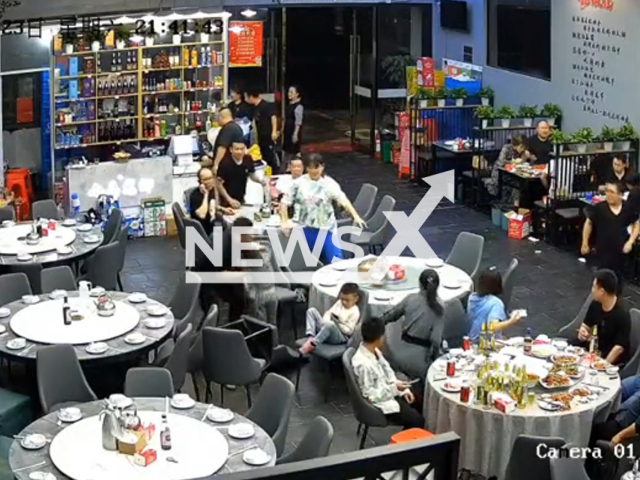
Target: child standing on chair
<point x="337" y="324"/>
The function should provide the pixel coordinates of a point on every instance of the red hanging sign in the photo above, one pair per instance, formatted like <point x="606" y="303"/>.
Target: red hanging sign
<point x="598" y="4"/>
<point x="24" y="107"/>
<point x="246" y="44"/>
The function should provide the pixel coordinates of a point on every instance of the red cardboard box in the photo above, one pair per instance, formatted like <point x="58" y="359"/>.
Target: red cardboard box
<point x="520" y="225"/>
<point x="396" y="273"/>
<point x="145" y="458"/>
<point x="504" y="404"/>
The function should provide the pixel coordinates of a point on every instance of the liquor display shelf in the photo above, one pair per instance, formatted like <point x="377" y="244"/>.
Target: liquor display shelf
<point x="98" y="120"/>
<point x="96" y="144"/>
<point x="139" y="47"/>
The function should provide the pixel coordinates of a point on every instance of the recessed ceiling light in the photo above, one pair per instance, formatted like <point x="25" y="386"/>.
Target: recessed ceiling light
<point x="248" y="13"/>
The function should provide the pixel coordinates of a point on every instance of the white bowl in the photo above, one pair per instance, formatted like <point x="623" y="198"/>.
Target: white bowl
<point x="612" y="371"/>
<point x="97" y="348"/>
<point x="134" y="338"/>
<point x="4" y="312"/>
<point x="220" y="415"/>
<point x="241" y="431"/>
<point x="157" y="310"/>
<point x="85" y="227"/>
<point x="91" y="239"/>
<point x="16" y="344"/>
<point x="64" y="250"/>
<point x="8" y="223"/>
<point x="154" y="323"/>
<point x="70" y="414"/>
<point x="96" y="291"/>
<point x="137" y="297"/>
<point x="59" y="293"/>
<point x="434" y="262"/>
<point x="256" y="457"/>
<point x="33" y="441"/>
<point x="25" y="257"/>
<point x="69" y="222"/>
<point x="30" y="299"/>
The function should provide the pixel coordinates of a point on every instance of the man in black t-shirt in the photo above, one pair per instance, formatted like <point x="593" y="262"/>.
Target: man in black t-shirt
<point x="264" y="115"/>
<point x="202" y="201"/>
<point x="229" y="133"/>
<point x="608" y="313"/>
<point x="539" y="145"/>
<point x="611" y="220"/>
<point x="233" y="172"/>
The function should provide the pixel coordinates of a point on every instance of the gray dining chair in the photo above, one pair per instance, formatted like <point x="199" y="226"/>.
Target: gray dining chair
<point x="567" y="468"/>
<point x="178" y="217"/>
<point x="178" y="361"/>
<point x="55" y="278"/>
<point x="633" y="364"/>
<point x="456" y="324"/>
<point x="227" y="361"/>
<point x="185" y="302"/>
<point x="7" y="213"/>
<point x="196" y="352"/>
<point x="123" y="238"/>
<point x="363" y="204"/>
<point x="508" y="282"/>
<point x="111" y="230"/>
<point x="102" y="266"/>
<point x="191" y="223"/>
<point x="13" y="286"/>
<point x="524" y="461"/>
<point x="570" y="330"/>
<point x="33" y="271"/>
<point x="315" y="443"/>
<point x="45" y="209"/>
<point x="61" y="382"/>
<point x="379" y="230"/>
<point x="366" y="414"/>
<point x="148" y="382"/>
<point x="466" y="253"/>
<point x="272" y="409"/>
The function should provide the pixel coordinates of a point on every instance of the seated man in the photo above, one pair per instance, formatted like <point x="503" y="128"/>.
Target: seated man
<point x="608" y="313"/>
<point x="377" y="381"/>
<point x="337" y="324"/>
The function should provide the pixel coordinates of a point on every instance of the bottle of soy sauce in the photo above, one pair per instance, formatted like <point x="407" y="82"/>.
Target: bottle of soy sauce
<point x="528" y="341"/>
<point x="165" y="434"/>
<point x="66" y="316"/>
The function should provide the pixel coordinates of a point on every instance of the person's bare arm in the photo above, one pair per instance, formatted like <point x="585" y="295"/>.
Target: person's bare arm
<point x="203" y="209"/>
<point x="220" y="152"/>
<point x="274" y="128"/>
<point x="635" y="231"/>
<point x="627" y="434"/>
<point x="615" y="354"/>
<point x="222" y="192"/>
<point x="586" y="235"/>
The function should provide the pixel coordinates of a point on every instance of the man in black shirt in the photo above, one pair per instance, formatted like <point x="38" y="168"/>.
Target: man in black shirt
<point x="609" y="168"/>
<point x="229" y="133"/>
<point x="264" y="115"/>
<point x="233" y="172"/>
<point x="633" y="187"/>
<point x="611" y="317"/>
<point x="539" y="145"/>
<point x="202" y="201"/>
<point x="611" y="220"/>
<point x="239" y="107"/>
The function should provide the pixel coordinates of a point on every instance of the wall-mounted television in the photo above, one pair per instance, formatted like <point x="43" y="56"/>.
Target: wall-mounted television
<point x="453" y="15"/>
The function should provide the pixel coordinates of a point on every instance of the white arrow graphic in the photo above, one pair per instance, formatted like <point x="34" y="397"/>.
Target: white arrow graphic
<point x="407" y="227"/>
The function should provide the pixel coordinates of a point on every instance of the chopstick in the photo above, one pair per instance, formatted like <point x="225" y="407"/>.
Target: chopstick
<point x="30" y="466"/>
<point x="250" y="447"/>
<point x="205" y="414"/>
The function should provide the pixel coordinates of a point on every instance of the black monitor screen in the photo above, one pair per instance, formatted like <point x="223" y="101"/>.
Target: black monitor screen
<point x="453" y="15"/>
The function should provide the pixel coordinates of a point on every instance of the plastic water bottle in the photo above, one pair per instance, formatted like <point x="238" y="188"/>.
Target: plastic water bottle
<point x="75" y="205"/>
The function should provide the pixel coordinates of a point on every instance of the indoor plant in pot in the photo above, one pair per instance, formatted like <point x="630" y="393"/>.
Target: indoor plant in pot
<point x="440" y="95"/>
<point x="70" y="41"/>
<point x="150" y="39"/>
<point x="528" y="113"/>
<point x="505" y="114"/>
<point x="486" y="95"/>
<point x="94" y="38"/>
<point x="583" y="138"/>
<point x="176" y="39"/>
<point x="459" y="95"/>
<point x="423" y="97"/>
<point x="122" y="35"/>
<point x="485" y="114"/>
<point x="607" y="136"/>
<point x="559" y="139"/>
<point x="551" y="111"/>
<point x="625" y="136"/>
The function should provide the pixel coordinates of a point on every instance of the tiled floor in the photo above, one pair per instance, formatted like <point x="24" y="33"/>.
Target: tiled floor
<point x="551" y="285"/>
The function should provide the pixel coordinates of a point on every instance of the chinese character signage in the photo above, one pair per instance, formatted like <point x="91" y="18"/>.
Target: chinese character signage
<point x="426" y="72"/>
<point x="246" y="44"/>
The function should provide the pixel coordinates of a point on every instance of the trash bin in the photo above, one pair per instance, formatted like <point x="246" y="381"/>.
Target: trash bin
<point x="505" y="221"/>
<point x="387" y="138"/>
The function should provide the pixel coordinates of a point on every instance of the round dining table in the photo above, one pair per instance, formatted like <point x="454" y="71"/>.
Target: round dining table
<point x="487" y="435"/>
<point x="81" y="240"/>
<point x="42" y="324"/>
<point x="326" y="283"/>
<point x="199" y="447"/>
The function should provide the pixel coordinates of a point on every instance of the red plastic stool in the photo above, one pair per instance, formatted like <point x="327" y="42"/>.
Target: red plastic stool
<point x="411" y="435"/>
<point x="19" y="182"/>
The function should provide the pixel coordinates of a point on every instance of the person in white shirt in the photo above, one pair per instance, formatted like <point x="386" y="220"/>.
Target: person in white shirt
<point x="285" y="182"/>
<point x="377" y="381"/>
<point x="337" y="324"/>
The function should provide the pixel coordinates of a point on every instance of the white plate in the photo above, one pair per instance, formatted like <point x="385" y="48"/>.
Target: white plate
<point x="8" y="223"/>
<point x="451" y="283"/>
<point x="4" y="312"/>
<point x="30" y="299"/>
<point x="97" y="348"/>
<point x="120" y="401"/>
<point x="543" y="351"/>
<point x="57" y="294"/>
<point x="183" y="405"/>
<point x="575" y="350"/>
<point x="451" y="389"/>
<point x="382" y="296"/>
<point x="328" y="284"/>
<point x="96" y="291"/>
<point x="42" y="476"/>
<point x="64" y="250"/>
<point x="85" y="227"/>
<point x="91" y="239"/>
<point x="154" y="323"/>
<point x="434" y="262"/>
<point x="69" y="222"/>
<point x="2" y="329"/>
<point x="135" y="339"/>
<point x="34" y="441"/>
<point x="241" y="431"/>
<point x="157" y="310"/>
<point x="137" y="298"/>
<point x="69" y="415"/>
<point x="25" y="257"/>
<point x="549" y="407"/>
<point x="339" y="268"/>
<point x="256" y="457"/>
<point x="220" y="415"/>
<point x="16" y="344"/>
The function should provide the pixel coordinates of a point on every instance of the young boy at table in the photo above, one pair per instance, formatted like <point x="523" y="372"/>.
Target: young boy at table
<point x="337" y="324"/>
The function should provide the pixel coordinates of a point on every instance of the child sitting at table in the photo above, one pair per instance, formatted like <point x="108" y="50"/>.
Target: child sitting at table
<point x="337" y="324"/>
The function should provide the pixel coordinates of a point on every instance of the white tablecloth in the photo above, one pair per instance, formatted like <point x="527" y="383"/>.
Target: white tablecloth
<point x="10" y="245"/>
<point x="322" y="296"/>
<point x="487" y="436"/>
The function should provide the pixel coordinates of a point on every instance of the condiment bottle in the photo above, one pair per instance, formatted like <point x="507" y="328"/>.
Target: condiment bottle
<point x="528" y="342"/>
<point x="165" y="434"/>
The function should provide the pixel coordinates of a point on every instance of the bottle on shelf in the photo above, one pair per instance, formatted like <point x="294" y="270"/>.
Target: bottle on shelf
<point x="482" y="347"/>
<point x="113" y="64"/>
<point x="203" y="58"/>
<point x="194" y="57"/>
<point x="208" y="123"/>
<point x="207" y="57"/>
<point x="119" y="64"/>
<point x="186" y="57"/>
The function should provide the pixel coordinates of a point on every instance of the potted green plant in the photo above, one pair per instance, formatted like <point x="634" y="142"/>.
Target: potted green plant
<point x="440" y="94"/>
<point x="150" y="39"/>
<point x="485" y="113"/>
<point x="607" y="136"/>
<point x="423" y="96"/>
<point x="94" y="38"/>
<point x="505" y="114"/>
<point x="122" y="35"/>
<point x="559" y="138"/>
<point x="528" y="113"/>
<point x="70" y="41"/>
<point x="486" y="95"/>
<point x="583" y="138"/>
<point x="626" y="135"/>
<point x="551" y="111"/>
<point x="176" y="39"/>
<point x="459" y="95"/>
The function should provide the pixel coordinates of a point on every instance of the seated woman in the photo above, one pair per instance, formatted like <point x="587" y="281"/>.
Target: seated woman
<point x="422" y="326"/>
<point x="516" y="150"/>
<point x="486" y="308"/>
